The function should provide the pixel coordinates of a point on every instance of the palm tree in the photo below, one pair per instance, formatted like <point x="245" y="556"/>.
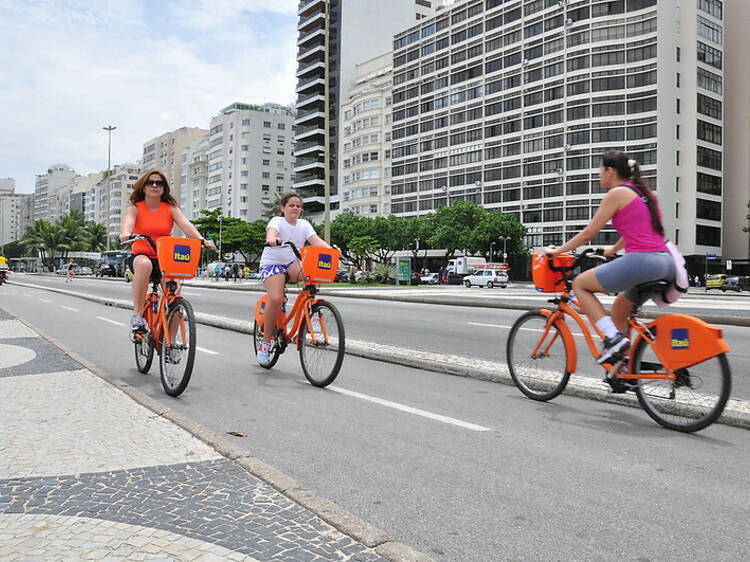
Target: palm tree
<point x="46" y="238"/>
<point x="74" y="233"/>
<point x="97" y="235"/>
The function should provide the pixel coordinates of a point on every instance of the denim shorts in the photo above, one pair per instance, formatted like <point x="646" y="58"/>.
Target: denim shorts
<point x="267" y="271"/>
<point x="624" y="273"/>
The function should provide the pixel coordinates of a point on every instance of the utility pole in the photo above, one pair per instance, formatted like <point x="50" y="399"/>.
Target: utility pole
<point x="109" y="129"/>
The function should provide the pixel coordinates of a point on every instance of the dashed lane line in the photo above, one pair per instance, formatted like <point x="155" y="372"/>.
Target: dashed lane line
<point x="69" y="308"/>
<point x="115" y="322"/>
<point x="410" y="409"/>
<point x="43" y="300"/>
<point x="208" y="351"/>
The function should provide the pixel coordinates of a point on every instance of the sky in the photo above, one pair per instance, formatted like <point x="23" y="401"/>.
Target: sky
<point x="70" y="67"/>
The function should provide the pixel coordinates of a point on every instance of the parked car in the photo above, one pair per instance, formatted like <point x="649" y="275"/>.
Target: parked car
<point x="455" y="278"/>
<point x="715" y="281"/>
<point x="64" y="270"/>
<point x="487" y="278"/>
<point x="342" y="276"/>
<point x="84" y="270"/>
<point x="430" y="279"/>
<point x="736" y="283"/>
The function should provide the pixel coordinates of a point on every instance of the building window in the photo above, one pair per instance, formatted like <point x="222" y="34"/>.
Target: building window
<point x="707" y="235"/>
<point x="709" y="158"/>
<point x="708" y="184"/>
<point x="711" y="7"/>
<point x="267" y="124"/>
<point x="709" y="55"/>
<point x="709" y="132"/>
<point x="709" y="106"/>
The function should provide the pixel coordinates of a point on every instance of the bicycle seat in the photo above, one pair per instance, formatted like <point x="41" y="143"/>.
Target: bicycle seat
<point x="646" y="290"/>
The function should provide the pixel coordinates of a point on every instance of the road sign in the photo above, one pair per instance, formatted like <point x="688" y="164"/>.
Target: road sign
<point x="505" y="256"/>
<point x="403" y="270"/>
<point x="729" y="265"/>
<point x="710" y="256"/>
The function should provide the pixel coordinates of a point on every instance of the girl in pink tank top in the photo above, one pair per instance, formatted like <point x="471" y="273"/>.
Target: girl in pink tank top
<point x="634" y="212"/>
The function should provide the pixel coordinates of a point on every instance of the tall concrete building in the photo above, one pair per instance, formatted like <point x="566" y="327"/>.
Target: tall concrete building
<point x="335" y="35"/>
<point x="365" y="148"/>
<point x="12" y="222"/>
<point x="194" y="178"/>
<point x="164" y="153"/>
<point x="46" y="201"/>
<point x="511" y="103"/>
<point x="250" y="159"/>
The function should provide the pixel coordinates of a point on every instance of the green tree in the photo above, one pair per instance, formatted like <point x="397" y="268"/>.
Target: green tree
<point x="344" y="228"/>
<point x="390" y="234"/>
<point x="73" y="231"/>
<point x="244" y="238"/>
<point x="46" y="238"/>
<point x="15" y="249"/>
<point x="361" y="247"/>
<point x="493" y="227"/>
<point x="453" y="226"/>
<point x="97" y="235"/>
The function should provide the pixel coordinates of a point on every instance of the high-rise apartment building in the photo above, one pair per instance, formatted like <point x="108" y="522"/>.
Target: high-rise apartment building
<point x="510" y="103"/>
<point x="194" y="178"/>
<point x="250" y="159"/>
<point x="12" y="223"/>
<point x="46" y="202"/>
<point x="364" y="151"/>
<point x="164" y="153"/>
<point x="335" y="35"/>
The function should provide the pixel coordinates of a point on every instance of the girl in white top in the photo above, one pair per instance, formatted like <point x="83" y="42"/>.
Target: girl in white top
<point x="278" y="263"/>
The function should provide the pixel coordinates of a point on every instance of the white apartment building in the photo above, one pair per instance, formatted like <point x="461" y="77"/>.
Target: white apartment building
<point x="164" y="153"/>
<point x="194" y="178"/>
<point x="510" y="103"/>
<point x="71" y="197"/>
<point x="46" y="202"/>
<point x="357" y="30"/>
<point x="250" y="159"/>
<point x="12" y="220"/>
<point x="365" y="147"/>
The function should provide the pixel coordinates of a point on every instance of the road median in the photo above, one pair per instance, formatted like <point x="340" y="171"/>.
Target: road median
<point x="737" y="412"/>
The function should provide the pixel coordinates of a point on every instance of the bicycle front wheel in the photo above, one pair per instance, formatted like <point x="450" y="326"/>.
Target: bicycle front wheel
<point x="176" y="359"/>
<point x="275" y="352"/>
<point x="537" y="361"/>
<point x="693" y="401"/>
<point x="144" y="351"/>
<point x="321" y="356"/>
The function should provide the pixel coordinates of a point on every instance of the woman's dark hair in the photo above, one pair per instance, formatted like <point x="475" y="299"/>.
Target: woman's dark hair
<point x="628" y="169"/>
<point x="139" y="188"/>
<point x="287" y="196"/>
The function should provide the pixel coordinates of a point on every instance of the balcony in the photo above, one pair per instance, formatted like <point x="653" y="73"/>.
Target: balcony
<point x="318" y="18"/>
<point x="309" y="133"/>
<point x="312" y="35"/>
<point x="308" y="148"/>
<point x="314" y="51"/>
<point x="310" y="84"/>
<point x="310" y="116"/>
<point x="307" y="100"/>
<point x="308" y="166"/>
<point x="317" y="67"/>
<point x="306" y="6"/>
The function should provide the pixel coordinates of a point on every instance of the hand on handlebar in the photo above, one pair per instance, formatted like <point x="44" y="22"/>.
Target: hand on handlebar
<point x="609" y="252"/>
<point x="551" y="251"/>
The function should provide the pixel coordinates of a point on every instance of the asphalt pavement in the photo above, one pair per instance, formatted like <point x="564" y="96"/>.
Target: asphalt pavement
<point x="460" y="469"/>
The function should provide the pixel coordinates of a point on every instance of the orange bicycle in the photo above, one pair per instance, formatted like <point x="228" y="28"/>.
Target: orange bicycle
<point x="314" y="325"/>
<point x="677" y="364"/>
<point x="170" y="321"/>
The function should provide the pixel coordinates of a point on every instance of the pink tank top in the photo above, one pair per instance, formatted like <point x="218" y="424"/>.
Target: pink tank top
<point x="633" y="223"/>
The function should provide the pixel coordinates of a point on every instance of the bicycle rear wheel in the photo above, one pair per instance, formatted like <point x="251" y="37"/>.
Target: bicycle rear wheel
<point x="176" y="359"/>
<point x="275" y="352"/>
<point x="144" y="351"/>
<point x="321" y="359"/>
<point x="540" y="377"/>
<point x="692" y="402"/>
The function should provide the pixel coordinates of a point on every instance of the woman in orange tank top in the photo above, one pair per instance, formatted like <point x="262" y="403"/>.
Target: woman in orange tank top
<point x="154" y="212"/>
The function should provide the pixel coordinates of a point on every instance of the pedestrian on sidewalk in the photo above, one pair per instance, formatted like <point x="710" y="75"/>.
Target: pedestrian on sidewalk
<point x="71" y="273"/>
<point x="236" y="272"/>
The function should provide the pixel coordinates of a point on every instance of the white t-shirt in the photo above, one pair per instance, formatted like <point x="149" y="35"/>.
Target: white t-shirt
<point x="298" y="233"/>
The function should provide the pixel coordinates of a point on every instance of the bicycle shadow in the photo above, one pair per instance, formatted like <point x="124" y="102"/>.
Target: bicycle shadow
<point x="615" y="419"/>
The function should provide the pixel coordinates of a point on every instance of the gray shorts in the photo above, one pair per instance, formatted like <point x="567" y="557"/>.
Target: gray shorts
<point x="624" y="273"/>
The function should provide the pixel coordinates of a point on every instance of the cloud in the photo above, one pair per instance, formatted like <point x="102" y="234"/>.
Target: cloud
<point x="74" y="67"/>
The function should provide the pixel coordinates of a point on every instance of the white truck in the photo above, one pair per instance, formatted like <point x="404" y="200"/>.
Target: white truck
<point x="463" y="265"/>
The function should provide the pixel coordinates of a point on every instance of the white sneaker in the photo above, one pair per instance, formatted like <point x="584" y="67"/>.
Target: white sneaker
<point x="264" y="352"/>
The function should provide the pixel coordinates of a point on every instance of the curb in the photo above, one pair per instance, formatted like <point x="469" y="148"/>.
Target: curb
<point x="736" y="413"/>
<point x="330" y="512"/>
<point x="727" y="320"/>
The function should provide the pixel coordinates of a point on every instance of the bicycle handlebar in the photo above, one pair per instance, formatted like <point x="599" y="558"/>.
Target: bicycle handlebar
<point x="287" y="243"/>
<point x="135" y="237"/>
<point x="597" y="253"/>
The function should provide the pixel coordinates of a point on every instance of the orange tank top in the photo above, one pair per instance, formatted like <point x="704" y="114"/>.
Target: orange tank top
<point x="156" y="224"/>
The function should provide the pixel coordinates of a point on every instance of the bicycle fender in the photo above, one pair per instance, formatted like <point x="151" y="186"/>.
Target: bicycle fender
<point x="567" y="336"/>
<point x="683" y="340"/>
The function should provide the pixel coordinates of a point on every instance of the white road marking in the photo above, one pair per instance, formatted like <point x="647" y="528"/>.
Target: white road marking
<point x="204" y="350"/>
<point x="43" y="300"/>
<point x="410" y="410"/>
<point x="69" y="308"/>
<point x="191" y="294"/>
<point x="115" y="322"/>
<point x="27" y="295"/>
<point x="576" y="334"/>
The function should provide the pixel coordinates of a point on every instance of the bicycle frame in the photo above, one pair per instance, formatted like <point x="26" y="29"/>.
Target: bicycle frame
<point x="154" y="312"/>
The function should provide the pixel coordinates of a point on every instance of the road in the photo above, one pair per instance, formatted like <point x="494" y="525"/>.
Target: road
<point x="473" y="332"/>
<point x="502" y="478"/>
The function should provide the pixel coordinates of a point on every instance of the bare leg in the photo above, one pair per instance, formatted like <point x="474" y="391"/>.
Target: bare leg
<point x="142" y="271"/>
<point x="275" y="290"/>
<point x="584" y="286"/>
<point x="620" y="311"/>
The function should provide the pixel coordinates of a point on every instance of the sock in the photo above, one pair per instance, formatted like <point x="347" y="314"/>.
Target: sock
<point x="606" y="325"/>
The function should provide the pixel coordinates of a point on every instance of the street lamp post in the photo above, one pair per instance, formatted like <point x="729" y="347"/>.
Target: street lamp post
<point x="505" y="253"/>
<point x="221" y="221"/>
<point x="492" y="245"/>
<point x="109" y="129"/>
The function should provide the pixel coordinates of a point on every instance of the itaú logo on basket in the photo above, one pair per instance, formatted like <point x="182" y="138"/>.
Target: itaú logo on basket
<point x="680" y="338"/>
<point x="181" y="253"/>
<point x="324" y="261"/>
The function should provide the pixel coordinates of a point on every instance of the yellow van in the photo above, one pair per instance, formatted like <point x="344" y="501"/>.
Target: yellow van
<point x="715" y="281"/>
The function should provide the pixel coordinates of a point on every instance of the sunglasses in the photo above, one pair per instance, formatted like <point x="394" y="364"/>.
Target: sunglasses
<point x="158" y="183"/>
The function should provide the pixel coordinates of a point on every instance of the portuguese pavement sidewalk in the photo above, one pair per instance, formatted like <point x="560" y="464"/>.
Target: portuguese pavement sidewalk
<point x="87" y="473"/>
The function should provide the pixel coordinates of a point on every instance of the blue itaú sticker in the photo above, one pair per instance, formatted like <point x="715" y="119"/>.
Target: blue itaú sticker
<point x="324" y="261"/>
<point x="680" y="338"/>
<point x="181" y="253"/>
